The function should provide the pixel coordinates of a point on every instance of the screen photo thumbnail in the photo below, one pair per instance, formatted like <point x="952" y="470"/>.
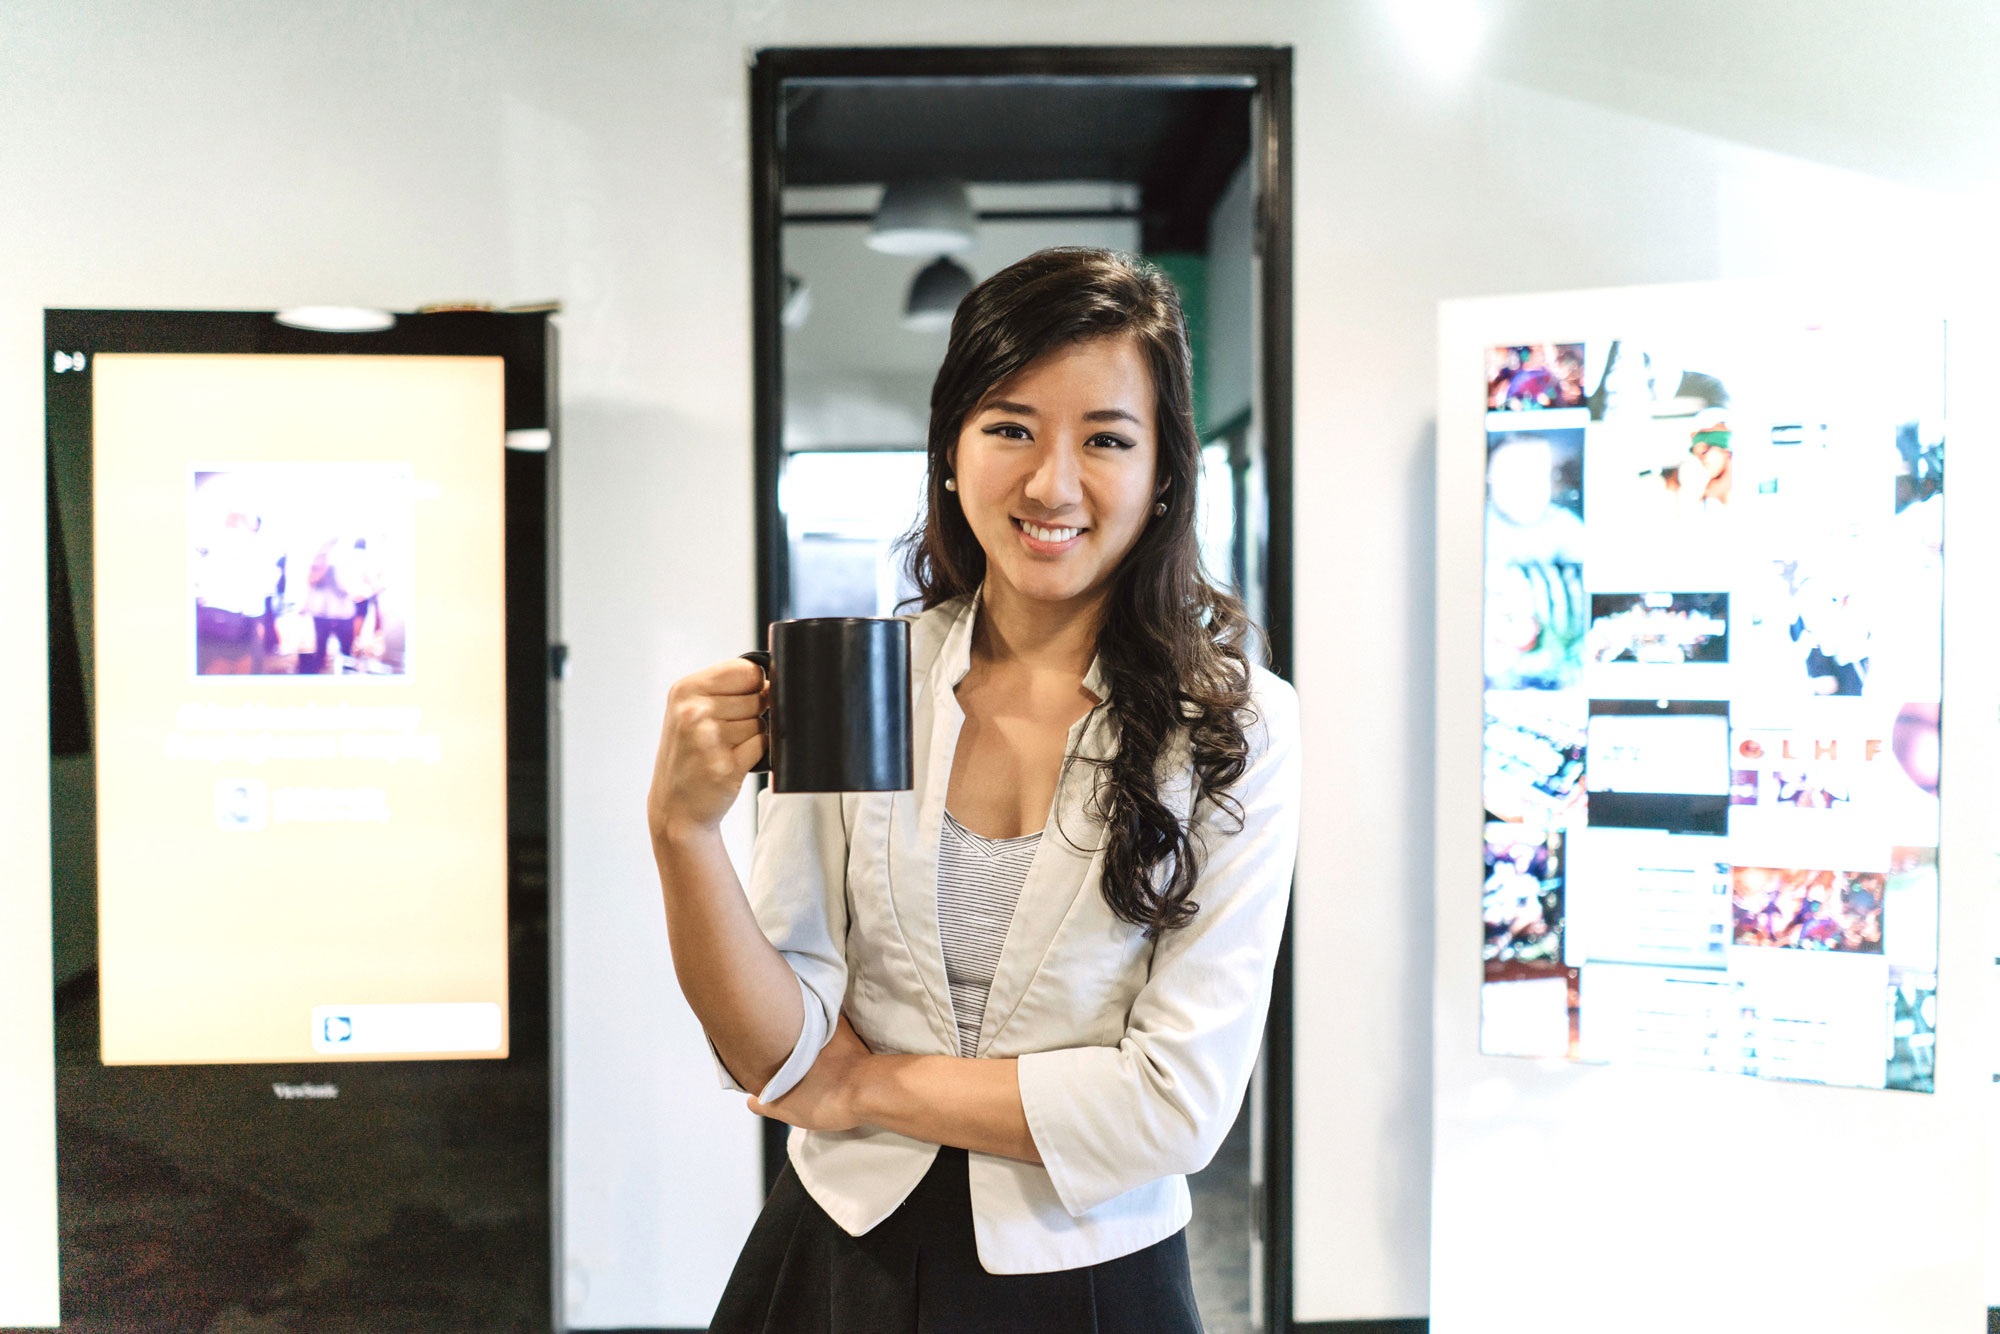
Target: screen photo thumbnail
<point x="1533" y="773"/>
<point x="1781" y="908"/>
<point x="1876" y="770"/>
<point x="1536" y="609"/>
<point x="1528" y="1011"/>
<point x="1659" y="764"/>
<point x="1815" y="622"/>
<point x="1669" y="483"/>
<point x="1913" y="1030"/>
<point x="1643" y="380"/>
<point x="1661" y="628"/>
<point x="1847" y="597"/>
<point x="1523" y="898"/>
<point x="301" y="569"/>
<point x="1526" y="376"/>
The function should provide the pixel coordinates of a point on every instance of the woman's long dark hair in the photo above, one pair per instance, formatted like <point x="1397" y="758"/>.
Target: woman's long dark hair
<point x="1173" y="646"/>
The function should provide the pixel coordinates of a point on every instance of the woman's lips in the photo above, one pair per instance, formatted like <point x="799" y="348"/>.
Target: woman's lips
<point x="1048" y="539"/>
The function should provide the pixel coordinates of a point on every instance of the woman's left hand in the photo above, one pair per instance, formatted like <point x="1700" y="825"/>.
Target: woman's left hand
<point x="824" y="1099"/>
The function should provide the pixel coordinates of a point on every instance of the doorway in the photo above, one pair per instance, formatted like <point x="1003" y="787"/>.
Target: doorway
<point x="886" y="182"/>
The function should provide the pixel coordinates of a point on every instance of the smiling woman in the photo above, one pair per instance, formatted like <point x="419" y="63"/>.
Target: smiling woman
<point x="1055" y="470"/>
<point x="1099" y="336"/>
<point x="1008" y="1011"/>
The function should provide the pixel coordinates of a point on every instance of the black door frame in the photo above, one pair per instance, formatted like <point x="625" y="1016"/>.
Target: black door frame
<point x="1269" y="69"/>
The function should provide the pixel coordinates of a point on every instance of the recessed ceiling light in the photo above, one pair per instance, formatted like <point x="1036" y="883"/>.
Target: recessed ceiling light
<point x="336" y="319"/>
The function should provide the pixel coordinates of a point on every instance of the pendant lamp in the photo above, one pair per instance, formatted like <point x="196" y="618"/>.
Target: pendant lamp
<point x="923" y="217"/>
<point x="798" y="302"/>
<point x="934" y="295"/>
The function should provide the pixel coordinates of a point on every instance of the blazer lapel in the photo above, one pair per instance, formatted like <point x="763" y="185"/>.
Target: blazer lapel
<point x="917" y="820"/>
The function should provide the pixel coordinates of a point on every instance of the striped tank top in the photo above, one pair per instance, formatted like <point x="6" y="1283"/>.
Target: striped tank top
<point x="979" y="880"/>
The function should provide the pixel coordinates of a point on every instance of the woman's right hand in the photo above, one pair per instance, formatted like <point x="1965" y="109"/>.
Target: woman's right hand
<point x="709" y="740"/>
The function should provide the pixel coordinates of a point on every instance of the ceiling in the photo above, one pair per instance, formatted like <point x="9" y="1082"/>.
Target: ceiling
<point x="1179" y="143"/>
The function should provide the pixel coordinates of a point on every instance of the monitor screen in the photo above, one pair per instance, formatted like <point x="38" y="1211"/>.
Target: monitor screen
<point x="1713" y="627"/>
<point x="300" y="707"/>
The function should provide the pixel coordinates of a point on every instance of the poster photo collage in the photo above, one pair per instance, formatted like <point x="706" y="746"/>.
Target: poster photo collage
<point x="1712" y="658"/>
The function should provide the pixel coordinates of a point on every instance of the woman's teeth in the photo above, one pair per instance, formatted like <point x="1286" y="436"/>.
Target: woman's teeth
<point x="1041" y="534"/>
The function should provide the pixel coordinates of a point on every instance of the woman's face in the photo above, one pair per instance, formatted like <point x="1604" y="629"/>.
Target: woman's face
<point x="1057" y="469"/>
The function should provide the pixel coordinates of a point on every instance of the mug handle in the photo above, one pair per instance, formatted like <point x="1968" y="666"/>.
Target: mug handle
<point x="763" y="660"/>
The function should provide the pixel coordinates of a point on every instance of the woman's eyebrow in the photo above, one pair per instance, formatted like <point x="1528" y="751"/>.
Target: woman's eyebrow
<point x="1026" y="410"/>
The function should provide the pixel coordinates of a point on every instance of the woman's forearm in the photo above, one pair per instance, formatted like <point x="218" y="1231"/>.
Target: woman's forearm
<point x="742" y="990"/>
<point x="968" y="1104"/>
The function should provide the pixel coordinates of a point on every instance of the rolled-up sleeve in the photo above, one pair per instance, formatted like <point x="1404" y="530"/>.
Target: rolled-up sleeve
<point x="1109" y="1119"/>
<point x="798" y="892"/>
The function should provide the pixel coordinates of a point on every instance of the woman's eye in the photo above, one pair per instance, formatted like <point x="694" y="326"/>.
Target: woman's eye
<point x="1010" y="430"/>
<point x="1110" y="442"/>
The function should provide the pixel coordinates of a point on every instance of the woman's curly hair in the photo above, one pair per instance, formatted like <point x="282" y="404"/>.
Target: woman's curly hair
<point x="1173" y="645"/>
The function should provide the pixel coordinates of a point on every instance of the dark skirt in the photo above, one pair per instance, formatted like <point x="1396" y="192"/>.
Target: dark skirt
<point x="918" y="1272"/>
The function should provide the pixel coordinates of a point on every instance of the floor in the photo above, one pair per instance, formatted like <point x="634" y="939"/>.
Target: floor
<point x="181" y="1226"/>
<point x="1219" y="1236"/>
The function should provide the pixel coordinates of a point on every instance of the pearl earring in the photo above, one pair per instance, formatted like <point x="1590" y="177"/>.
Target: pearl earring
<point x="951" y="484"/>
<point x="1160" y="508"/>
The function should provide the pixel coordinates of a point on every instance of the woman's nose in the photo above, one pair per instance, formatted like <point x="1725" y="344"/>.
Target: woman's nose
<point x="1054" y="484"/>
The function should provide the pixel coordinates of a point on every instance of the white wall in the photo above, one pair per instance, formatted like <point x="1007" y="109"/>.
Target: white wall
<point x="228" y="153"/>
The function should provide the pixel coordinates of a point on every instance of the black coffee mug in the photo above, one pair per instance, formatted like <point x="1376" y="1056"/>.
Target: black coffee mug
<point x="840" y="705"/>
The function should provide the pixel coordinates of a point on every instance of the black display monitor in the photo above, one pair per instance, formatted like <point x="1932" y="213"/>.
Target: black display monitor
<point x="299" y="628"/>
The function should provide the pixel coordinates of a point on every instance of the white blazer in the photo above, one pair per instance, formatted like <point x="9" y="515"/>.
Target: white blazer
<point x="1134" y="1053"/>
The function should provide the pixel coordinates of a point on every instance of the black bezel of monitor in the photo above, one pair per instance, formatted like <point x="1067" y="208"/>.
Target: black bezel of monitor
<point x="493" y="1116"/>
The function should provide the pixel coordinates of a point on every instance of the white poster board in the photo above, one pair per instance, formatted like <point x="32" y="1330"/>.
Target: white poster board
<point x="1661" y="1188"/>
